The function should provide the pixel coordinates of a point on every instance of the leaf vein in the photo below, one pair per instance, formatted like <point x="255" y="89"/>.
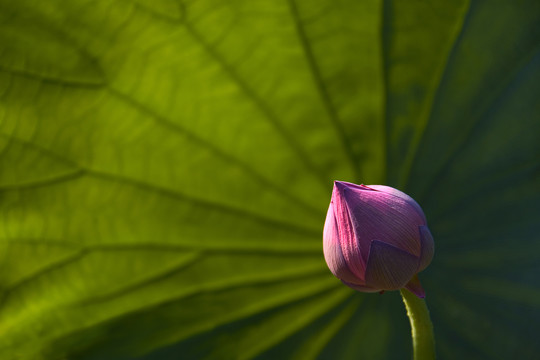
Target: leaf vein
<point x="321" y="87"/>
<point x="163" y="121"/>
<point x="427" y="108"/>
<point x="478" y="115"/>
<point x="173" y="193"/>
<point x="256" y="99"/>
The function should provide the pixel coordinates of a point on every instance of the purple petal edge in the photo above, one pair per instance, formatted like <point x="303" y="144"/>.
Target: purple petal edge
<point x="415" y="287"/>
<point x="427" y="248"/>
<point x="333" y="254"/>
<point x="360" y="288"/>
<point x="389" y="267"/>
<point x="400" y="194"/>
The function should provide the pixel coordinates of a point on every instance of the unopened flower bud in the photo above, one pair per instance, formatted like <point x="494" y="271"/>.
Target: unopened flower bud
<point x="376" y="238"/>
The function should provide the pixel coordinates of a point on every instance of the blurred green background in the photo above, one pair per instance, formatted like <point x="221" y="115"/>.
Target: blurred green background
<point x="166" y="166"/>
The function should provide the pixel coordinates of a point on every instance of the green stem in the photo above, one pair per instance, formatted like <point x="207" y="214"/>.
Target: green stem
<point x="422" y="329"/>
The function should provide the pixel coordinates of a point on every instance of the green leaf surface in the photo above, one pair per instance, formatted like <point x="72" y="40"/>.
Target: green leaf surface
<point x="166" y="166"/>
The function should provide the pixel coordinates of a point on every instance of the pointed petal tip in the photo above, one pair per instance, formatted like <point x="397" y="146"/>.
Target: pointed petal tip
<point x="340" y="184"/>
<point x="415" y="287"/>
<point x="344" y="185"/>
<point x="340" y="188"/>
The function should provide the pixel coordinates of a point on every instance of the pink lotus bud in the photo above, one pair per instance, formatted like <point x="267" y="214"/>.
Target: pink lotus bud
<point x="376" y="238"/>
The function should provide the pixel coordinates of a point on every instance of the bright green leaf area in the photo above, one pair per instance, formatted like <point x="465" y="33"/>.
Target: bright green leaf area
<point x="166" y="166"/>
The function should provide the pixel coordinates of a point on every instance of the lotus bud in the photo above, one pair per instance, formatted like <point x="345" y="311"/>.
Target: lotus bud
<point x="376" y="238"/>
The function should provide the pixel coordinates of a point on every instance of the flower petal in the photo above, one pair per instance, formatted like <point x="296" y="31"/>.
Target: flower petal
<point x="385" y="217"/>
<point x="388" y="267"/>
<point x="415" y="287"/>
<point x="361" y="288"/>
<point x="332" y="250"/>
<point x="350" y="246"/>
<point x="427" y="247"/>
<point x="401" y="195"/>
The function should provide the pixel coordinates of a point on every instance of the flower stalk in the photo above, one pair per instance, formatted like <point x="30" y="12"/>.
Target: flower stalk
<point x="376" y="239"/>
<point x="421" y="326"/>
